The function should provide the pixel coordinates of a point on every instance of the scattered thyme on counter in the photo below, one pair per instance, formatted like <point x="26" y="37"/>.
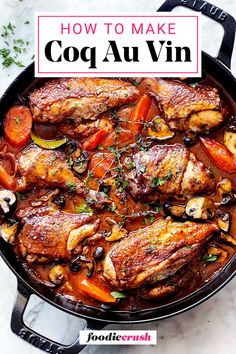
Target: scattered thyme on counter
<point x="14" y="47"/>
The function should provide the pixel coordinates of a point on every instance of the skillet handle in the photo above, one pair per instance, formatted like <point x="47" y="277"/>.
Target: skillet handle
<point x="20" y="329"/>
<point x="215" y="13"/>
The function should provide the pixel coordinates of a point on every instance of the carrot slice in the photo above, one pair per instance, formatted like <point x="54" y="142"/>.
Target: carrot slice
<point x="17" y="126"/>
<point x="220" y="155"/>
<point x="139" y="114"/>
<point x="101" y="163"/>
<point x="6" y="180"/>
<point x="94" y="140"/>
<point x="120" y="139"/>
<point x="94" y="291"/>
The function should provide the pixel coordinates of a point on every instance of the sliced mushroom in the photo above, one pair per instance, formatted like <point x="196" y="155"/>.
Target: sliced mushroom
<point x="7" y="201"/>
<point x="32" y="258"/>
<point x="9" y="230"/>
<point x="225" y="192"/>
<point x="117" y="233"/>
<point x="79" y="234"/>
<point x="200" y="208"/>
<point x="159" y="130"/>
<point x="223" y="220"/>
<point x="159" y="292"/>
<point x="79" y="161"/>
<point x="228" y="239"/>
<point x="230" y="141"/>
<point x="57" y="274"/>
<point x="221" y="254"/>
<point x="174" y="210"/>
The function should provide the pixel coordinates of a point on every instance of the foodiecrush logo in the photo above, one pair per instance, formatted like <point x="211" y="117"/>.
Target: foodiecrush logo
<point x="126" y="44"/>
<point x="118" y="337"/>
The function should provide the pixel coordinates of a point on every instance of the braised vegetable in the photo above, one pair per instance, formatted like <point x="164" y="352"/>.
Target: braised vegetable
<point x="47" y="144"/>
<point x="159" y="130"/>
<point x="220" y="155"/>
<point x="94" y="140"/>
<point x="7" y="201"/>
<point x="200" y="208"/>
<point x="120" y="138"/>
<point x="96" y="292"/>
<point x="17" y="126"/>
<point x="57" y="274"/>
<point x="230" y="141"/>
<point x="101" y="163"/>
<point x="8" y="230"/>
<point x="139" y="114"/>
<point x="6" y="180"/>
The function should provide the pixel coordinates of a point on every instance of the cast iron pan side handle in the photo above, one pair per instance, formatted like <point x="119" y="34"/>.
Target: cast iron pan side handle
<point x="215" y="13"/>
<point x="19" y="328"/>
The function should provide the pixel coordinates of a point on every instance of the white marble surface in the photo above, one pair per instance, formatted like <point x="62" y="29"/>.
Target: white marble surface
<point x="209" y="328"/>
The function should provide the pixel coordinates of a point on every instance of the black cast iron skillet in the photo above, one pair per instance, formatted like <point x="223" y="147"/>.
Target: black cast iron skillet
<point x="219" y="69"/>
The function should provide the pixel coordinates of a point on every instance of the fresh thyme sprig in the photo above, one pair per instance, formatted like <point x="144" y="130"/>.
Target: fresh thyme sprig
<point x="14" y="48"/>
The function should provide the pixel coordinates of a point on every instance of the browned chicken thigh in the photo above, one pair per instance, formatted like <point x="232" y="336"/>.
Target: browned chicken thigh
<point x="188" y="108"/>
<point x="49" y="234"/>
<point x="170" y="169"/>
<point x="154" y="253"/>
<point x="46" y="168"/>
<point x="79" y="98"/>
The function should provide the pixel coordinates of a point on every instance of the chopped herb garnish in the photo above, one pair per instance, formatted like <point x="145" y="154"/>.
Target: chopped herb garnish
<point x="152" y="218"/>
<point x="70" y="162"/>
<point x="157" y="181"/>
<point x="209" y="258"/>
<point x="100" y="147"/>
<point x="129" y="163"/>
<point x="71" y="185"/>
<point x="143" y="168"/>
<point x="20" y="196"/>
<point x="168" y="176"/>
<point x="75" y="105"/>
<point x="17" y="120"/>
<point x="84" y="208"/>
<point x="135" y="82"/>
<point x="117" y="295"/>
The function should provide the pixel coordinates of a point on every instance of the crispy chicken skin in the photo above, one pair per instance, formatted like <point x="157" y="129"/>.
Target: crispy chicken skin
<point x="185" y="107"/>
<point x="154" y="253"/>
<point x="46" y="168"/>
<point x="79" y="98"/>
<point x="170" y="169"/>
<point x="45" y="233"/>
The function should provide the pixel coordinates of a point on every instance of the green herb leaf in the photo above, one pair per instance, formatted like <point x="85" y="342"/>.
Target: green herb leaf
<point x="209" y="258"/>
<point x="71" y="185"/>
<point x="100" y="147"/>
<point x="168" y="176"/>
<point x="143" y="168"/>
<point x="70" y="162"/>
<point x="152" y="218"/>
<point x="84" y="208"/>
<point x="117" y="295"/>
<point x="157" y="181"/>
<point x="17" y="120"/>
<point x="20" y="196"/>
